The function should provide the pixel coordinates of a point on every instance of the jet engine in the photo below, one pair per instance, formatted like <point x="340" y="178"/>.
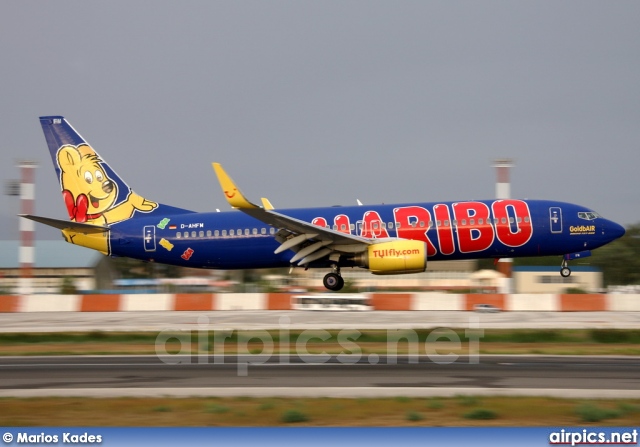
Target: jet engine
<point x="394" y="257"/>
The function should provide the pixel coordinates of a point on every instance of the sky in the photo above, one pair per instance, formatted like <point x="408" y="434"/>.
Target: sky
<point x="320" y="103"/>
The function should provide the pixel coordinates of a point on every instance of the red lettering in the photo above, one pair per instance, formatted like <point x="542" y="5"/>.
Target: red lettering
<point x="341" y="223"/>
<point x="444" y="229"/>
<point x="372" y="226"/>
<point x="412" y="222"/>
<point x="512" y="222"/>
<point x="475" y="232"/>
<point x="320" y="221"/>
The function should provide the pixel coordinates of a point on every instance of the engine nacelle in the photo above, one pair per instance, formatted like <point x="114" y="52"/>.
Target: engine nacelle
<point x="391" y="258"/>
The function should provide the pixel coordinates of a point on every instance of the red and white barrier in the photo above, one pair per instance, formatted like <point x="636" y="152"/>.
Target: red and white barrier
<point x="427" y="301"/>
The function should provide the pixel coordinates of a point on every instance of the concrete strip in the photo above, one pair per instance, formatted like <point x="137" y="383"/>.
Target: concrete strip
<point x="335" y="392"/>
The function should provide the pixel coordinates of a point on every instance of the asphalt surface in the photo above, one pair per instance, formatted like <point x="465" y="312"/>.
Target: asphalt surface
<point x="245" y="320"/>
<point x="329" y="376"/>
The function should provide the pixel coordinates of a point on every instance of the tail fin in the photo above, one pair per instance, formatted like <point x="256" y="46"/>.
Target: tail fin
<point x="92" y="191"/>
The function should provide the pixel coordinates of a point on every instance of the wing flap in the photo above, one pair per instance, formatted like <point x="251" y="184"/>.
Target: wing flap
<point x="294" y="241"/>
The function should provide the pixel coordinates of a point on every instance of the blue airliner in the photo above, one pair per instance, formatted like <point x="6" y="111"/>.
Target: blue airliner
<point x="106" y="215"/>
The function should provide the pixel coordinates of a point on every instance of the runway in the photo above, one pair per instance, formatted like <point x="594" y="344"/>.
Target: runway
<point x="252" y="320"/>
<point x="361" y="376"/>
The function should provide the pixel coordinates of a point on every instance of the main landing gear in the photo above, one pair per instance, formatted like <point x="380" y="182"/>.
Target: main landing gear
<point x="565" y="271"/>
<point x="333" y="281"/>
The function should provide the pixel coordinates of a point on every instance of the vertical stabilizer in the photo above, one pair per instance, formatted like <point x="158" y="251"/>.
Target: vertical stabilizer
<point x="92" y="191"/>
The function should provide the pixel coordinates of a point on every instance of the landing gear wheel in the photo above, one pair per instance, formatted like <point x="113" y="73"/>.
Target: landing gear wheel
<point x="333" y="281"/>
<point x="565" y="271"/>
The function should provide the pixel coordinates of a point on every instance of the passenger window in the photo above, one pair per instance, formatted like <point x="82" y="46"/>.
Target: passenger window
<point x="472" y="222"/>
<point x="186" y="234"/>
<point x="208" y="233"/>
<point x="246" y="232"/>
<point x="179" y="235"/>
<point x="216" y="233"/>
<point x="464" y="222"/>
<point x="224" y="233"/>
<point x="232" y="232"/>
<point x="504" y="220"/>
<point x="201" y="233"/>
<point x="390" y="225"/>
<point x="254" y="231"/>
<point x="480" y="221"/>
<point x="193" y="234"/>
<point x="263" y="231"/>
<point x="272" y="231"/>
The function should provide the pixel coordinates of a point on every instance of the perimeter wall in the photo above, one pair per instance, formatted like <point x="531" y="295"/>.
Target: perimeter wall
<point x="281" y="301"/>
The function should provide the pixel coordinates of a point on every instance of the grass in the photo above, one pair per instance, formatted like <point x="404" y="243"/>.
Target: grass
<point x="216" y="408"/>
<point x="160" y="412"/>
<point x="435" y="404"/>
<point x="467" y="401"/>
<point x="414" y="416"/>
<point x="553" y="342"/>
<point x="482" y="414"/>
<point x="294" y="416"/>
<point x="589" y="412"/>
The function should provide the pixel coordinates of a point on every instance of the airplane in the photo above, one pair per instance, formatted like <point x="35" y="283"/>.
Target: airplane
<point x="106" y="215"/>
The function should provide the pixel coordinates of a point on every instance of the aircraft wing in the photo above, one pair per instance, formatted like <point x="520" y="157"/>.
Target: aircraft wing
<point x="310" y="242"/>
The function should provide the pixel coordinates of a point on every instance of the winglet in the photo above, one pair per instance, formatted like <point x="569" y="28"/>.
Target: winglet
<point x="231" y="192"/>
<point x="266" y="204"/>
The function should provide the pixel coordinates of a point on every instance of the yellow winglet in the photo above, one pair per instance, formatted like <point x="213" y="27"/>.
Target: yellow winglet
<point x="266" y="204"/>
<point x="231" y="192"/>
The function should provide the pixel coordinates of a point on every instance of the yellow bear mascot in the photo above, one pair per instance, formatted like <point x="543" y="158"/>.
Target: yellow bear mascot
<point x="89" y="195"/>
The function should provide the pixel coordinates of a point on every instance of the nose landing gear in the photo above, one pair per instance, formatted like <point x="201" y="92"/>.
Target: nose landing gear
<point x="565" y="271"/>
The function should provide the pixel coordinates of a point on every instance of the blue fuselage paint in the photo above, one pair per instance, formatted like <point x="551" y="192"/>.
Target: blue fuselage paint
<point x="233" y="240"/>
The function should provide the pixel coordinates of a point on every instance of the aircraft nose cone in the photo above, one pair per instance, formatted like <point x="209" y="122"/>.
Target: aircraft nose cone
<point x="614" y="230"/>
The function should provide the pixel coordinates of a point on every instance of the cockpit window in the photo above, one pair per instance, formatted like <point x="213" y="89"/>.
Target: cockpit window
<point x="588" y="215"/>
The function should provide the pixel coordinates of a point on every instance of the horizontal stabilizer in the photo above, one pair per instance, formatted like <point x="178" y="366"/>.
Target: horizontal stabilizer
<point x="67" y="225"/>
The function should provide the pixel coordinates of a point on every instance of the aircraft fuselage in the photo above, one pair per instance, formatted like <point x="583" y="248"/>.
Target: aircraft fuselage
<point x="451" y="230"/>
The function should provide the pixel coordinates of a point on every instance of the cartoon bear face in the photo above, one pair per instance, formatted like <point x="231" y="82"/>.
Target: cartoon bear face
<point x="87" y="190"/>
